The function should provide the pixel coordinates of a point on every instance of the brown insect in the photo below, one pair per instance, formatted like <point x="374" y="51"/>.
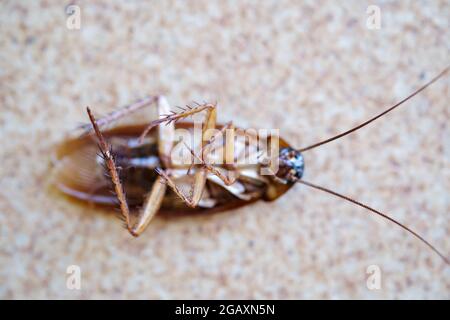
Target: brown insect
<point x="138" y="162"/>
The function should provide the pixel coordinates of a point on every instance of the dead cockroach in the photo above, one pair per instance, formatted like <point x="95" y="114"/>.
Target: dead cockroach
<point x="138" y="162"/>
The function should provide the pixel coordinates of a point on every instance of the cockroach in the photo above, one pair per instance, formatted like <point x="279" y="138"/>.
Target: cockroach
<point x="136" y="161"/>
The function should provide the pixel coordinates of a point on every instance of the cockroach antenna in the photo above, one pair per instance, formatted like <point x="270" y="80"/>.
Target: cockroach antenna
<point x="296" y="157"/>
<point x="384" y="215"/>
<point x="377" y="116"/>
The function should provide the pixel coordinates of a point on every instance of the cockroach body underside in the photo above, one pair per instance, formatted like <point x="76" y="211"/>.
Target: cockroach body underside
<point x="81" y="174"/>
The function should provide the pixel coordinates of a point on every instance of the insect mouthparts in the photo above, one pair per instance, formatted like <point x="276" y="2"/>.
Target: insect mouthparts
<point x="291" y="165"/>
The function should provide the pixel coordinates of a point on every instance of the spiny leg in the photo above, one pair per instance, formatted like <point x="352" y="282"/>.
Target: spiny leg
<point x="229" y="154"/>
<point x="206" y="148"/>
<point x="226" y="179"/>
<point x="151" y="207"/>
<point x="111" y="166"/>
<point x="120" y="113"/>
<point x="166" y="133"/>
<point x="196" y="191"/>
<point x="173" y="116"/>
<point x="165" y="145"/>
<point x="153" y="201"/>
<point x="200" y="176"/>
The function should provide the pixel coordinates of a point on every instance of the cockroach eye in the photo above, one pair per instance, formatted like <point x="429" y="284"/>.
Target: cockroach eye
<point x="291" y="165"/>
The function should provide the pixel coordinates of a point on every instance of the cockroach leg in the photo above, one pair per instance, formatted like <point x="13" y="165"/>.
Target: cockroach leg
<point x="119" y="113"/>
<point x="151" y="207"/>
<point x="112" y="169"/>
<point x="200" y="176"/>
<point x="155" y="197"/>
<point x="166" y="133"/>
<point x="172" y="117"/>
<point x="226" y="180"/>
<point x="265" y="162"/>
<point x="206" y="147"/>
<point x="197" y="187"/>
<point x="210" y="123"/>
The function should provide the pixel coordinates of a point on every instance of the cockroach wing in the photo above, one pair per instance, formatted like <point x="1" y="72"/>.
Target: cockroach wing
<point x="78" y="174"/>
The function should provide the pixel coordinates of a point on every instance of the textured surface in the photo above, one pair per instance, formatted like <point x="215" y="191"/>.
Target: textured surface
<point x="311" y="70"/>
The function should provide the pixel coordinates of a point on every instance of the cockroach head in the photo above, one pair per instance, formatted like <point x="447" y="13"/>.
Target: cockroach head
<point x="290" y="165"/>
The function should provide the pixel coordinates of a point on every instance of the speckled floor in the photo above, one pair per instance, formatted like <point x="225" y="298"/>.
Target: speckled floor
<point x="311" y="69"/>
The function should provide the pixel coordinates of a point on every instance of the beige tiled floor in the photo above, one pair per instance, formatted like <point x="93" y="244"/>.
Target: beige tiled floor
<point x="311" y="70"/>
